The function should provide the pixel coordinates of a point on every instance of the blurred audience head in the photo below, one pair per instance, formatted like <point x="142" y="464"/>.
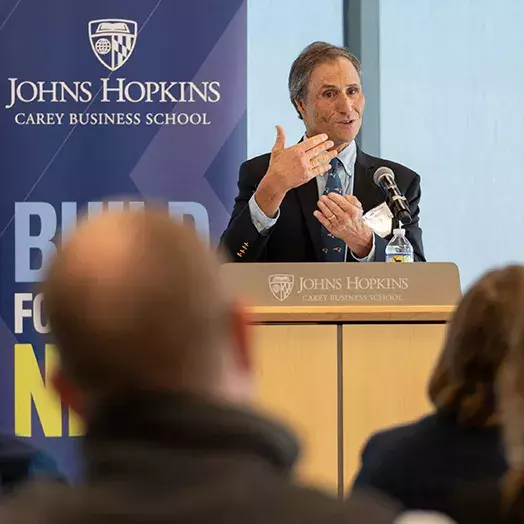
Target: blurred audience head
<point x="478" y="341"/>
<point x="135" y="301"/>
<point x="510" y="395"/>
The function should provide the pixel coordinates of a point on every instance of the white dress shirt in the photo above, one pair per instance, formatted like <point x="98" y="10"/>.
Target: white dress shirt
<point x="348" y="157"/>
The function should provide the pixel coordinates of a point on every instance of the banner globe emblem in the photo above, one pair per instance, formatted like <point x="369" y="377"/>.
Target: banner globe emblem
<point x="113" y="41"/>
<point x="281" y="286"/>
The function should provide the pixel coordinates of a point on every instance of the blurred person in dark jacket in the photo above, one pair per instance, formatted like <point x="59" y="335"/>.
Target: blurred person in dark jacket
<point x="156" y="357"/>
<point x="454" y="460"/>
<point x="501" y="501"/>
<point x="20" y="462"/>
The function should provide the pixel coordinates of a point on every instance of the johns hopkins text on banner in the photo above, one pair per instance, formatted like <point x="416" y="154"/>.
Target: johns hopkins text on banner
<point x="140" y="98"/>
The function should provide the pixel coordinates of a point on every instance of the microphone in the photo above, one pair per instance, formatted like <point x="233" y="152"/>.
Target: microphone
<point x="396" y="201"/>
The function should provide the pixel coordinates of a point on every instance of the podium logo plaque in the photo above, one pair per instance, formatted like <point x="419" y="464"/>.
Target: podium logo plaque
<point x="281" y="286"/>
<point x="339" y="284"/>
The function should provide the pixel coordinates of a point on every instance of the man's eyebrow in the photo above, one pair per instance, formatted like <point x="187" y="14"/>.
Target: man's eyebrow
<point x="330" y="86"/>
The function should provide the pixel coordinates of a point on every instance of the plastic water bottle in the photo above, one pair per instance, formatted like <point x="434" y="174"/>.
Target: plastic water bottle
<point x="399" y="249"/>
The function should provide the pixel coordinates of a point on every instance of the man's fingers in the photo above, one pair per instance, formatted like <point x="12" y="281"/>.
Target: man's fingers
<point x="310" y="143"/>
<point x="352" y="207"/>
<point x="320" y="170"/>
<point x="353" y="200"/>
<point x="280" y="142"/>
<point x="321" y="148"/>
<point x="330" y="209"/>
<point x="323" y="159"/>
<point x="322" y="219"/>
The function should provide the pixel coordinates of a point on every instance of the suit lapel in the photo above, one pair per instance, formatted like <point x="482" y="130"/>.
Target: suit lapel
<point x="369" y="194"/>
<point x="308" y="197"/>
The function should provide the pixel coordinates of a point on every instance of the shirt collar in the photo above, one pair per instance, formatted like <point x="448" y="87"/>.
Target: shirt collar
<point x="348" y="157"/>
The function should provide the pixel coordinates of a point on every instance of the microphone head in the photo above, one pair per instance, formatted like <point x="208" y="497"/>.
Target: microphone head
<point x="380" y="172"/>
<point x="404" y="216"/>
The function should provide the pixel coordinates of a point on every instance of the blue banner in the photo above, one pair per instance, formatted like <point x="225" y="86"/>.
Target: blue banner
<point x="128" y="97"/>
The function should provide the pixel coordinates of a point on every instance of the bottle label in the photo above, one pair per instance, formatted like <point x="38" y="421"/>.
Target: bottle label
<point x="399" y="258"/>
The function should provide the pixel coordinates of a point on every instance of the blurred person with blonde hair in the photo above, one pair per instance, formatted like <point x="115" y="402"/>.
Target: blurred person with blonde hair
<point x="435" y="462"/>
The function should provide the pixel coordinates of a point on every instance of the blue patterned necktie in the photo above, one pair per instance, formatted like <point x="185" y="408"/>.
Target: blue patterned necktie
<point x="333" y="248"/>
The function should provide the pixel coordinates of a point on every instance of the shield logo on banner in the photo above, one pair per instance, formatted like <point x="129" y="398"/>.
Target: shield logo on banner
<point x="113" y="41"/>
<point x="281" y="286"/>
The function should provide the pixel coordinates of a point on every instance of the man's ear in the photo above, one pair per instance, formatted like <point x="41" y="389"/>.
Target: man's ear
<point x="68" y="392"/>
<point x="300" y="107"/>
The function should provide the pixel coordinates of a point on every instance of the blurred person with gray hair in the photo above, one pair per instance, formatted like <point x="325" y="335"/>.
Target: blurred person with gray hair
<point x="156" y="356"/>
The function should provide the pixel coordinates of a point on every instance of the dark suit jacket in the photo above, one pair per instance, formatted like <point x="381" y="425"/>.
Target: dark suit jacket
<point x="161" y="457"/>
<point x="296" y="235"/>
<point x="425" y="464"/>
<point x="481" y="502"/>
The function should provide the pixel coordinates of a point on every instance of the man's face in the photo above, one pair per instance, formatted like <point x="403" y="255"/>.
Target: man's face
<point x="334" y="102"/>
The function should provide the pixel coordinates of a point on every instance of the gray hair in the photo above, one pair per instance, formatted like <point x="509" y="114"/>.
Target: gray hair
<point x="313" y="55"/>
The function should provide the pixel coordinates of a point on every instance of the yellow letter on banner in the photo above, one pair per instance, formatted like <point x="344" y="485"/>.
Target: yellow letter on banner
<point x="76" y="427"/>
<point x="29" y="386"/>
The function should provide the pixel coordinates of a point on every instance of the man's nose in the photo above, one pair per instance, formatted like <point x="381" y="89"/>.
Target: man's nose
<point x="345" y="104"/>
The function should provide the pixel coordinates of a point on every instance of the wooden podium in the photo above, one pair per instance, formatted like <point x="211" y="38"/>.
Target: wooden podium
<point x="343" y="350"/>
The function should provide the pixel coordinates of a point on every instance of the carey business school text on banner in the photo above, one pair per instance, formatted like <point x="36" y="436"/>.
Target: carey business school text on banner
<point x="143" y="98"/>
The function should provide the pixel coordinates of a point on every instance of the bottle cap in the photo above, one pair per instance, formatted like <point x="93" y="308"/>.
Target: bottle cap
<point x="399" y="231"/>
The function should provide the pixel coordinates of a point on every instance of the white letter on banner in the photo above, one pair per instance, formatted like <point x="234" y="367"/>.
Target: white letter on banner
<point x="180" y="210"/>
<point x="106" y="90"/>
<point x="12" y="81"/>
<point x="21" y="312"/>
<point x="24" y="242"/>
<point x="39" y="326"/>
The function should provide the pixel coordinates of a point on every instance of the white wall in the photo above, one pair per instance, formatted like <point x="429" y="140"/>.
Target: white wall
<point x="277" y="31"/>
<point x="452" y="108"/>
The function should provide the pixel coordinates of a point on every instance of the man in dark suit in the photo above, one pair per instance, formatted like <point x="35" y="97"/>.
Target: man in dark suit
<point x="306" y="203"/>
